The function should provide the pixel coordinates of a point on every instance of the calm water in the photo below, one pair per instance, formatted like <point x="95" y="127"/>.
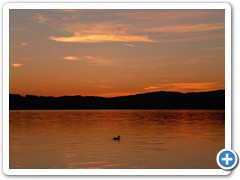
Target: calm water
<point x="83" y="139"/>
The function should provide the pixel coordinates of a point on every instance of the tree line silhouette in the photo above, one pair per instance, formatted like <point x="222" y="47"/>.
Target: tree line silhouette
<point x="153" y="100"/>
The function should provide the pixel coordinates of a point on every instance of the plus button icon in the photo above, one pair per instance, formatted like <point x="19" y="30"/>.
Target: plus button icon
<point x="227" y="159"/>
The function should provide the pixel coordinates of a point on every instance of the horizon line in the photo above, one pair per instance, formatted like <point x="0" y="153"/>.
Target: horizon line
<point x="118" y="96"/>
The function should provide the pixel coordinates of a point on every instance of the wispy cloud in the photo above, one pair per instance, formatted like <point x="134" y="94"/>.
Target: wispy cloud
<point x="23" y="44"/>
<point x="186" y="87"/>
<point x="130" y="31"/>
<point x="186" y="28"/>
<point x="96" y="38"/>
<point x="100" y="32"/>
<point x="88" y="57"/>
<point x="16" y="65"/>
<point x="90" y="60"/>
<point x="127" y="26"/>
<point x="169" y="15"/>
<point x="78" y="58"/>
<point x="152" y="87"/>
<point x="71" y="58"/>
<point x="41" y="19"/>
<point x="110" y="32"/>
<point x="129" y="45"/>
<point x="189" y="38"/>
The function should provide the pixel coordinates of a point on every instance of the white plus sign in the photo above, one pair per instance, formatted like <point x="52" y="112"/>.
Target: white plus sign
<point x="227" y="159"/>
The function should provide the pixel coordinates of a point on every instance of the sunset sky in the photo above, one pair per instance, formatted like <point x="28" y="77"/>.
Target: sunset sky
<point x="115" y="52"/>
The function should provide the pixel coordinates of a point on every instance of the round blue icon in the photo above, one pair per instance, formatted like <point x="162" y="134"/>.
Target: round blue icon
<point x="227" y="159"/>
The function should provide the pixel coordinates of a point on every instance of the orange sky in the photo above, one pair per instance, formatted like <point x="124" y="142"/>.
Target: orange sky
<point x="115" y="52"/>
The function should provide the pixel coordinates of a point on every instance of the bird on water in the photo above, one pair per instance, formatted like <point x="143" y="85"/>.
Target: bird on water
<point x="116" y="138"/>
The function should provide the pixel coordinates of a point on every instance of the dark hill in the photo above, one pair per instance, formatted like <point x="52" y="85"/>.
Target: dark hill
<point x="154" y="100"/>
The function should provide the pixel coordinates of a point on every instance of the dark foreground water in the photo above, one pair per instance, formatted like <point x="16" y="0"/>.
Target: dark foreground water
<point x="150" y="139"/>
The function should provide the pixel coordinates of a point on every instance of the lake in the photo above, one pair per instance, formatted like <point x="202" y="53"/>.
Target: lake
<point x="83" y="139"/>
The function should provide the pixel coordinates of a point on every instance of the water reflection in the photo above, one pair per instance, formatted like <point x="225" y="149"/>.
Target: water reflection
<point x="83" y="138"/>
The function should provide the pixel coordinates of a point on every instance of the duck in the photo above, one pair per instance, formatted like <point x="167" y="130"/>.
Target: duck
<point x="116" y="138"/>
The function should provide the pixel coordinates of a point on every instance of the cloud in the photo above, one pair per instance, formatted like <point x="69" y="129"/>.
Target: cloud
<point x="169" y="15"/>
<point x="78" y="58"/>
<point x="23" y="44"/>
<point x="88" y="57"/>
<point x="71" y="58"/>
<point x="124" y="29"/>
<point x="41" y="19"/>
<point x="192" y="38"/>
<point x="111" y="32"/>
<point x="186" y="28"/>
<point x="97" y="38"/>
<point x="186" y="87"/>
<point x="129" y="45"/>
<point x="16" y="65"/>
<point x="202" y="86"/>
<point x="151" y="87"/>
<point x="91" y="60"/>
<point x="100" y="32"/>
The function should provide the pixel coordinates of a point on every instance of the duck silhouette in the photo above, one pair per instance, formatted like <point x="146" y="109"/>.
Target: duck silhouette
<point x="116" y="138"/>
